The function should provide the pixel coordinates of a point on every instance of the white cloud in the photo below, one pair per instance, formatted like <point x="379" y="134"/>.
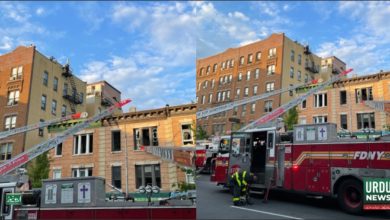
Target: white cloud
<point x="238" y="15"/>
<point x="91" y="14"/>
<point x="14" y="11"/>
<point x="6" y="43"/>
<point x="370" y="37"/>
<point x="40" y="11"/>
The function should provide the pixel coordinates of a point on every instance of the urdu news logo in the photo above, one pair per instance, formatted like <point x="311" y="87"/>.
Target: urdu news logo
<point x="376" y="193"/>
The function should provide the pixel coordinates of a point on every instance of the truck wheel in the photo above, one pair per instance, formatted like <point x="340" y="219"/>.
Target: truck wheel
<point x="350" y="196"/>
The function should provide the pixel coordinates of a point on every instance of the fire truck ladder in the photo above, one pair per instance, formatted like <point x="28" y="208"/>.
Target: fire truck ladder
<point x="377" y="105"/>
<point x="37" y="150"/>
<point x="181" y="156"/>
<point x="283" y="108"/>
<point x="228" y="106"/>
<point x="42" y="124"/>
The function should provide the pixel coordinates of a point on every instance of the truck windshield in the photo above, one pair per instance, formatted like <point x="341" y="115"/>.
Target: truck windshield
<point x="240" y="143"/>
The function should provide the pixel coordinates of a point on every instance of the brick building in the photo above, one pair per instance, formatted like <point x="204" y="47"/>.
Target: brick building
<point x="260" y="67"/>
<point x="100" y="96"/>
<point x="111" y="148"/>
<point x="34" y="88"/>
<point x="342" y="104"/>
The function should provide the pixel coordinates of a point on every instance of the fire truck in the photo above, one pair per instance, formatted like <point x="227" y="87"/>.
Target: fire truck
<point x="207" y="151"/>
<point x="310" y="160"/>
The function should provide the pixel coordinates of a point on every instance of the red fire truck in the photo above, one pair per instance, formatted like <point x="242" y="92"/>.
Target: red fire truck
<point x="311" y="160"/>
<point x="207" y="151"/>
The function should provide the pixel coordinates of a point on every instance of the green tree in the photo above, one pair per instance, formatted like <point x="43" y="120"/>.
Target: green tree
<point x="291" y="118"/>
<point x="200" y="134"/>
<point x="38" y="170"/>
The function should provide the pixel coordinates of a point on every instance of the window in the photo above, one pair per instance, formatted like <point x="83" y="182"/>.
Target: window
<point x="268" y="106"/>
<point x="299" y="75"/>
<point x="239" y="76"/>
<point x="16" y="73"/>
<point x="45" y="78"/>
<point x="227" y="63"/>
<point x="82" y="172"/>
<point x="65" y="89"/>
<point x="243" y="112"/>
<point x="58" y="150"/>
<point x="235" y="110"/>
<point x="226" y="78"/>
<point x="223" y="95"/>
<point x="246" y="91"/>
<point x="270" y="69"/>
<point x="320" y="100"/>
<point x="291" y="92"/>
<point x="231" y="62"/>
<point x="248" y="75"/>
<point x="223" y="65"/>
<point x="115" y="140"/>
<point x="43" y="102"/>
<point x="250" y="58"/>
<point x="54" y="107"/>
<point x="365" y="120"/>
<point x="203" y="99"/>
<point x="292" y="55"/>
<point x="291" y="72"/>
<point x="343" y="122"/>
<point x="258" y="56"/>
<point x="253" y="108"/>
<point x="363" y="94"/>
<point x="228" y="94"/>
<point x="212" y="83"/>
<point x="57" y="173"/>
<point x="255" y="90"/>
<point x="306" y="78"/>
<point x="208" y="69"/>
<point x="303" y="105"/>
<point x="299" y="59"/>
<point x="220" y="80"/>
<point x="257" y="73"/>
<point x="187" y="135"/>
<point x="242" y="60"/>
<point x="343" y="97"/>
<point x="215" y="67"/>
<point x="145" y="137"/>
<point x="271" y="52"/>
<point x="13" y="97"/>
<point x="201" y="71"/>
<point x="116" y="176"/>
<point x="148" y="175"/>
<point x="218" y="96"/>
<point x="230" y="78"/>
<point x="82" y="144"/>
<point x="320" y="119"/>
<point x="40" y="130"/>
<point x="63" y="110"/>
<point x="269" y="87"/>
<point x="10" y="122"/>
<point x="6" y="151"/>
<point x="238" y="92"/>
<point x="55" y="84"/>
<point x="210" y="98"/>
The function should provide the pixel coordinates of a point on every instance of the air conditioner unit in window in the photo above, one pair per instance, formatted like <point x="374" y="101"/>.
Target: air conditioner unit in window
<point x="12" y="78"/>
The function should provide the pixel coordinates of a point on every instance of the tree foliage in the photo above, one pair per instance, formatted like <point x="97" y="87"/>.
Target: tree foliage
<point x="38" y="170"/>
<point x="291" y="118"/>
<point x="200" y="133"/>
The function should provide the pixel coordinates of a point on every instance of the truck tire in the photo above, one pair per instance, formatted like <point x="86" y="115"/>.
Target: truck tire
<point x="350" y="196"/>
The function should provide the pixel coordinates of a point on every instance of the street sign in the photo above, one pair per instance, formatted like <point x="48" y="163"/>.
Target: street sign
<point x="13" y="199"/>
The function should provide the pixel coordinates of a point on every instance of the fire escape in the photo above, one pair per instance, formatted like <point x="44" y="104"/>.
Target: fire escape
<point x="74" y="98"/>
<point x="310" y="66"/>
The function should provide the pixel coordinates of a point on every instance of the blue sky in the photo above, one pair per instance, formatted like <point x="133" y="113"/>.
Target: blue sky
<point x="148" y="49"/>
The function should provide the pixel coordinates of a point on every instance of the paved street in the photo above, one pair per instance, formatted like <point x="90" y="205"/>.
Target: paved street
<point x="215" y="203"/>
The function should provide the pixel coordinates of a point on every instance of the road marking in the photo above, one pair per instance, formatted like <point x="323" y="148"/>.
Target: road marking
<point x="268" y="213"/>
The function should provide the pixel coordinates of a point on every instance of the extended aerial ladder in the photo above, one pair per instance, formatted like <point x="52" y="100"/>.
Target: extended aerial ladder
<point x="231" y="105"/>
<point x="377" y="105"/>
<point x="37" y="150"/>
<point x="23" y="129"/>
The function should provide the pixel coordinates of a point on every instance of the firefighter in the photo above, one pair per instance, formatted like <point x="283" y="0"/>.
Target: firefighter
<point x="236" y="183"/>
<point x="241" y="180"/>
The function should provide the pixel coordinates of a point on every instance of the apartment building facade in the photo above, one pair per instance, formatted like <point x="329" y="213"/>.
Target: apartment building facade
<point x="112" y="149"/>
<point x="100" y="96"/>
<point x="260" y="67"/>
<point x="34" y="88"/>
<point x="342" y="103"/>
